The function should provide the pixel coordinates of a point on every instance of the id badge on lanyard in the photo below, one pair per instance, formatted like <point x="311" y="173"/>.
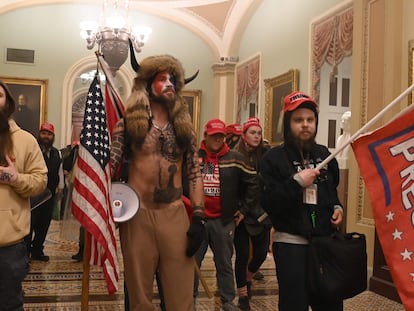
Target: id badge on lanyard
<point x="310" y="194"/>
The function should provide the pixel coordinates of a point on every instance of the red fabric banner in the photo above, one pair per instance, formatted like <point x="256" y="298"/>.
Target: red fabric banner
<point x="386" y="161"/>
<point x="115" y="109"/>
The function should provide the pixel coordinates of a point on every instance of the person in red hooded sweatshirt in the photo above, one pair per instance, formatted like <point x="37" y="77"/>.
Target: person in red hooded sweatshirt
<point x="230" y="189"/>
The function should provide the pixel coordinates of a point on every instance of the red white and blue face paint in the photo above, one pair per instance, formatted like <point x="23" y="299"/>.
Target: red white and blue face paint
<point x="163" y="85"/>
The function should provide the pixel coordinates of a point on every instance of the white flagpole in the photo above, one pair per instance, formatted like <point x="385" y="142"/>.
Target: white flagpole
<point x="366" y="126"/>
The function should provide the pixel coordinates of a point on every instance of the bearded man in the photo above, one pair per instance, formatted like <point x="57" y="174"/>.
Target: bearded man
<point x="157" y="139"/>
<point x="42" y="215"/>
<point x="301" y="201"/>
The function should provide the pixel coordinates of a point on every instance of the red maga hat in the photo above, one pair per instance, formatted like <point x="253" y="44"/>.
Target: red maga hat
<point x="234" y="128"/>
<point x="215" y="126"/>
<point x="295" y="99"/>
<point x="47" y="127"/>
<point x="253" y="121"/>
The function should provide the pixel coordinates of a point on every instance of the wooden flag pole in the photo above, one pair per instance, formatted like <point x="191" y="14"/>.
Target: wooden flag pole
<point x="367" y="126"/>
<point x="85" y="273"/>
<point x="202" y="280"/>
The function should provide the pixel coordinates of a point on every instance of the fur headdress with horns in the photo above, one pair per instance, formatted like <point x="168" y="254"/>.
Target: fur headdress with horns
<point x="138" y="111"/>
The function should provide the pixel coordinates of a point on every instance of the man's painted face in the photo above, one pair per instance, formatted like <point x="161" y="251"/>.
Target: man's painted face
<point x="163" y="85"/>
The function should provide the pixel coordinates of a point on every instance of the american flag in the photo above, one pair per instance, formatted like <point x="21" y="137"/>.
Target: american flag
<point x="386" y="160"/>
<point x="91" y="187"/>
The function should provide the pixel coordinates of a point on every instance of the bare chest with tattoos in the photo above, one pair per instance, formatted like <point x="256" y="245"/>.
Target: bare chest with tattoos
<point x="155" y="168"/>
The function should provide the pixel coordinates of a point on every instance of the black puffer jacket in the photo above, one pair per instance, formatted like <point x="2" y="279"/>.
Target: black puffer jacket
<point x="239" y="187"/>
<point x="282" y="196"/>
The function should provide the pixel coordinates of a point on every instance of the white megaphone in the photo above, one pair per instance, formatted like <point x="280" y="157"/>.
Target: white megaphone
<point x="124" y="201"/>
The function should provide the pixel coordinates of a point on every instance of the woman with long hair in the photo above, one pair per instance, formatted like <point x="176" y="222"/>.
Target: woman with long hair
<point x="256" y="226"/>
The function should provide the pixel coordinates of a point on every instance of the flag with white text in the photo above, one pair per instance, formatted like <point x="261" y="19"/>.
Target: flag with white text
<point x="92" y="184"/>
<point x="386" y="161"/>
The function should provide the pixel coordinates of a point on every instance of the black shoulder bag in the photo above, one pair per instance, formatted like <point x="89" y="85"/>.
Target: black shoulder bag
<point x="337" y="265"/>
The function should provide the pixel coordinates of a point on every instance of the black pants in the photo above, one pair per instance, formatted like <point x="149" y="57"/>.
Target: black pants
<point x="260" y="244"/>
<point x="40" y="222"/>
<point x="291" y="271"/>
<point x="14" y="266"/>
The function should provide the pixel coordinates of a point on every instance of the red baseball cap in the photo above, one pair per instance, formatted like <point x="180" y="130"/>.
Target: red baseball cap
<point x="253" y="121"/>
<point x="234" y="128"/>
<point x="295" y="99"/>
<point x="215" y="126"/>
<point x="47" y="127"/>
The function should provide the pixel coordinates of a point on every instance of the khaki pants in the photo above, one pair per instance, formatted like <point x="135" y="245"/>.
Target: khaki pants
<point x="156" y="238"/>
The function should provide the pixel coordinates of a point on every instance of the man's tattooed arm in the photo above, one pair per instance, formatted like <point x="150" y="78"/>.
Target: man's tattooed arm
<point x="118" y="145"/>
<point x="195" y="180"/>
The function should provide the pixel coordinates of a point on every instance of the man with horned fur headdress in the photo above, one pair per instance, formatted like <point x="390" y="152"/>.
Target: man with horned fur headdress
<point x="158" y="139"/>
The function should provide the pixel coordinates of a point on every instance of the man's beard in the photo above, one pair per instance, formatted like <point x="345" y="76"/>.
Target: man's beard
<point x="303" y="145"/>
<point x="163" y="100"/>
<point x="46" y="143"/>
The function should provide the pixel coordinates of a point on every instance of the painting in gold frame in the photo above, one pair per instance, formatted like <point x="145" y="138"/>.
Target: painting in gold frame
<point x="31" y="102"/>
<point x="193" y="99"/>
<point x="275" y="90"/>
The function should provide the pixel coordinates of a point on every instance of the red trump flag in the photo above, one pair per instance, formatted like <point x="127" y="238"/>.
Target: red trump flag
<point x="115" y="109"/>
<point x="386" y="161"/>
<point x="91" y="187"/>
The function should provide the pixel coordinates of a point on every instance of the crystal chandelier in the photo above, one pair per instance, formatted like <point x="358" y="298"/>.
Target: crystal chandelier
<point x="113" y="34"/>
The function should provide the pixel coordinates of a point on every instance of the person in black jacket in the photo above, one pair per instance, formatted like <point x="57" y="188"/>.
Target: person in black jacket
<point x="256" y="225"/>
<point x="230" y="191"/>
<point x="42" y="215"/>
<point x="300" y="200"/>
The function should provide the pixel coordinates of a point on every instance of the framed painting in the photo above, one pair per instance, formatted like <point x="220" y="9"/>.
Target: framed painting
<point x="193" y="99"/>
<point x="275" y="90"/>
<point x="31" y="102"/>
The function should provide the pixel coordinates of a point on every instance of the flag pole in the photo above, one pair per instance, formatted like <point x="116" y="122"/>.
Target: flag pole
<point x="85" y="274"/>
<point x="86" y="251"/>
<point x="202" y="280"/>
<point x="366" y="126"/>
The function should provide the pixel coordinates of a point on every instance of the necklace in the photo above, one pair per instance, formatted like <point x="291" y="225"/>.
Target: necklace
<point x="161" y="129"/>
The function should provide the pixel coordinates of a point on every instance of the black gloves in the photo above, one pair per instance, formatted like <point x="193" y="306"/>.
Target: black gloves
<point x="195" y="235"/>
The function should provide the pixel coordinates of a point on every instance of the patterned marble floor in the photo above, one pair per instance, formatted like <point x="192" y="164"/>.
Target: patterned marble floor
<point x="57" y="285"/>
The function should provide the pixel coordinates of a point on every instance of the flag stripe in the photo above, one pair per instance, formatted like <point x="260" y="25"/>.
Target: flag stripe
<point x="91" y="187"/>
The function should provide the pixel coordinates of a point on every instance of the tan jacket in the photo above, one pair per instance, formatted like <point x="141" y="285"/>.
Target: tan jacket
<point x="31" y="181"/>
